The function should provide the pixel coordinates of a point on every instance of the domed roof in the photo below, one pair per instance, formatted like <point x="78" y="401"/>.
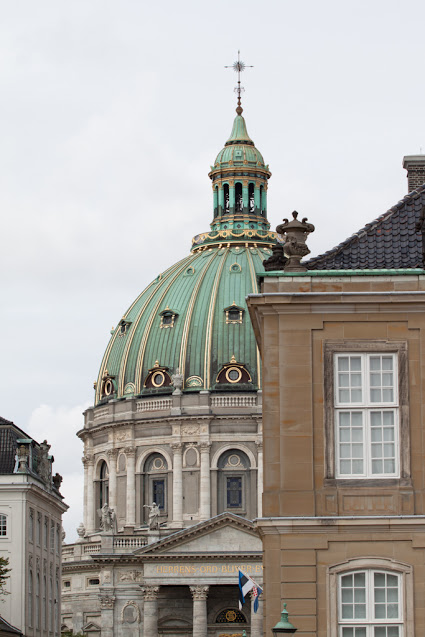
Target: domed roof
<point x="192" y="320"/>
<point x="239" y="149"/>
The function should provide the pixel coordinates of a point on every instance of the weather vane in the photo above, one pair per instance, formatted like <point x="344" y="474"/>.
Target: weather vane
<point x="239" y="66"/>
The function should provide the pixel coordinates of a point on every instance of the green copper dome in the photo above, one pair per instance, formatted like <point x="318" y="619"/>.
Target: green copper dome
<point x="190" y="327"/>
<point x="239" y="149"/>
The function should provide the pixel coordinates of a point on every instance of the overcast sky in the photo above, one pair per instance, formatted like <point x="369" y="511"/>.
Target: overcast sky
<point x="112" y="112"/>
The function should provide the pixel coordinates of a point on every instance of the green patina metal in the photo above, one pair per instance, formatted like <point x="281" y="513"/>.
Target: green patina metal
<point x="219" y="272"/>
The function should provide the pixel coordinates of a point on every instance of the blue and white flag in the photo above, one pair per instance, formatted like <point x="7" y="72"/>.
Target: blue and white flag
<point x="245" y="585"/>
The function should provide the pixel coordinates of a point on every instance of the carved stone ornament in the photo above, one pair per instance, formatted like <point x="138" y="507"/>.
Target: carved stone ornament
<point x="30" y="562"/>
<point x="130" y="452"/>
<point x="107" y="602"/>
<point x="112" y="454"/>
<point x="87" y="459"/>
<point x="150" y="593"/>
<point x="190" y="430"/>
<point x="81" y="531"/>
<point x="199" y="592"/>
<point x="44" y="463"/>
<point x="122" y="435"/>
<point x="23" y="454"/>
<point x="295" y="234"/>
<point x="276" y="260"/>
<point x="136" y="616"/>
<point x="57" y="481"/>
<point x="130" y="576"/>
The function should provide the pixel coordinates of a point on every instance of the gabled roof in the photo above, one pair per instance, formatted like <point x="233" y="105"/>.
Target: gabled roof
<point x="179" y="539"/>
<point x="389" y="242"/>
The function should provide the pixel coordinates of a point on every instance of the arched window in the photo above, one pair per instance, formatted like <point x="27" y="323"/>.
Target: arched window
<point x="103" y="485"/>
<point x="230" y="616"/>
<point x="226" y="198"/>
<point x="155" y="483"/>
<point x="251" y="199"/>
<point x="233" y="482"/>
<point x="3" y="525"/>
<point x="238" y="197"/>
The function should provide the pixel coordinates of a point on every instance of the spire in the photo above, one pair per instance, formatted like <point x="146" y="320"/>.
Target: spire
<point x="239" y="66"/>
<point x="239" y="132"/>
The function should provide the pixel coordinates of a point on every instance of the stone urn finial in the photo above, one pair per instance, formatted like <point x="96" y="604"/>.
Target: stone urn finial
<point x="295" y="234"/>
<point x="81" y="530"/>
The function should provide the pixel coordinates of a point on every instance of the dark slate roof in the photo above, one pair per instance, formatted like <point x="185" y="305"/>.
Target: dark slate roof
<point x="391" y="241"/>
<point x="9" y="434"/>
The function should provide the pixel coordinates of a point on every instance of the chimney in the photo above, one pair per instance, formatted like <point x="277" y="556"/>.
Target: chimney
<point x="415" y="166"/>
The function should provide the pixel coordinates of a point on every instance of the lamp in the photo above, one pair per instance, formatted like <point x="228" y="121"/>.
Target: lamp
<point x="284" y="627"/>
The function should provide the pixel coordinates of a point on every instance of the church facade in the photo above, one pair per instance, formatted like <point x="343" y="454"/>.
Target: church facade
<point x="173" y="468"/>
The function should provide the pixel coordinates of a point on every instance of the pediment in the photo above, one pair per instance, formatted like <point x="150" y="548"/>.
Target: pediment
<point x="91" y="627"/>
<point x="225" y="533"/>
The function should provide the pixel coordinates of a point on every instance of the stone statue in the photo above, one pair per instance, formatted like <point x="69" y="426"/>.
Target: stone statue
<point x="81" y="531"/>
<point x="177" y="382"/>
<point x="44" y="468"/>
<point x="108" y="519"/>
<point x="154" y="514"/>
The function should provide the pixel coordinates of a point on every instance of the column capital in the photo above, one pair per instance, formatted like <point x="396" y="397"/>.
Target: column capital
<point x="205" y="446"/>
<point x="259" y="444"/>
<point x="150" y="593"/>
<point x="199" y="592"/>
<point x="88" y="460"/>
<point x="130" y="452"/>
<point x="176" y="446"/>
<point x="107" y="602"/>
<point x="112" y="454"/>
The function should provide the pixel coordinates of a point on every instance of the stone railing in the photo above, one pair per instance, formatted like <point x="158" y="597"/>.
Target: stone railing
<point x="92" y="548"/>
<point x="233" y="401"/>
<point x="67" y="553"/>
<point x="158" y="404"/>
<point x="129" y="542"/>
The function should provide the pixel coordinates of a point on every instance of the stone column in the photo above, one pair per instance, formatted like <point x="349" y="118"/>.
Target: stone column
<point x="150" y="611"/>
<point x="112" y="457"/>
<point x="205" y="482"/>
<point x="200" y="624"/>
<point x="89" y="521"/>
<point x="130" y="453"/>
<point x="107" y="614"/>
<point x="177" y="484"/>
<point x="260" y="479"/>
<point x="256" y="618"/>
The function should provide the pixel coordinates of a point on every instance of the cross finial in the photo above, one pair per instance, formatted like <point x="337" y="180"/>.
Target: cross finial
<point x="239" y="66"/>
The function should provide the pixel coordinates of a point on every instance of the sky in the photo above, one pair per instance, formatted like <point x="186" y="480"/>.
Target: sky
<point x="111" y="114"/>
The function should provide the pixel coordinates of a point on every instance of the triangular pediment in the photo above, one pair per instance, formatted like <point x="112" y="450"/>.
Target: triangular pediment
<point x="225" y="533"/>
<point x="91" y="627"/>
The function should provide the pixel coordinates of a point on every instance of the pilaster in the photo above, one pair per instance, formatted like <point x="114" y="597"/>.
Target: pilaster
<point x="150" y="610"/>
<point x="200" y="624"/>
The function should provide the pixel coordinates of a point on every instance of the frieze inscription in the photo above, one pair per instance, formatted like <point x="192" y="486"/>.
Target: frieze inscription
<point x="211" y="569"/>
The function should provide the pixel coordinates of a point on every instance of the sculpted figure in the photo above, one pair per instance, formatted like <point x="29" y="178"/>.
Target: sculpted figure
<point x="108" y="519"/>
<point x="177" y="381"/>
<point x="154" y="514"/>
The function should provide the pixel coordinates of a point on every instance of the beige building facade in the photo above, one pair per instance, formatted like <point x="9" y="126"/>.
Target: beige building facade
<point x="343" y="352"/>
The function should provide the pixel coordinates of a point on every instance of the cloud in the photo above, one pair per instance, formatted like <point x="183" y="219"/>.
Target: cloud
<point x="59" y="425"/>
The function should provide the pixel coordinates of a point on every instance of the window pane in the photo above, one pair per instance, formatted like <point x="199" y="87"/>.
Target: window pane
<point x="343" y="363"/>
<point x="387" y="362"/>
<point x="355" y="363"/>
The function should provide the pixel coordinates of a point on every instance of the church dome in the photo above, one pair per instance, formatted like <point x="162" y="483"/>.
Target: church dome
<point x="190" y="327"/>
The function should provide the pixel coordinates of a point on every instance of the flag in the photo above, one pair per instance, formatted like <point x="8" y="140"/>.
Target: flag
<point x="256" y="592"/>
<point x="245" y="585"/>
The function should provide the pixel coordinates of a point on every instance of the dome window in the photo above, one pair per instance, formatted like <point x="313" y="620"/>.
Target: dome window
<point x="108" y="385"/>
<point x="233" y="373"/>
<point x="226" y="198"/>
<point x="157" y="377"/>
<point x="123" y="327"/>
<point x="238" y="197"/>
<point x="235" y="268"/>
<point x="251" y="198"/>
<point x="234" y="314"/>
<point x="168" y="318"/>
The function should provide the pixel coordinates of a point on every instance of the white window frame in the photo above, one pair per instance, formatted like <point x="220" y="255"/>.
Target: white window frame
<point x="4" y="526"/>
<point x="365" y="407"/>
<point x="370" y="621"/>
<point x="392" y="567"/>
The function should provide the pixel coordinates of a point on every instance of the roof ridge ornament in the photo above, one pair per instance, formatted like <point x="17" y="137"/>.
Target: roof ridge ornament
<point x="295" y="234"/>
<point x="238" y="67"/>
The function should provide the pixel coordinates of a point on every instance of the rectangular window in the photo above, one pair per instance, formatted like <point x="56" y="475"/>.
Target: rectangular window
<point x="31" y="525"/>
<point x="46" y="533"/>
<point x="366" y="415"/>
<point x="52" y="537"/>
<point x="234" y="492"/>
<point x="158" y="493"/>
<point x="3" y="525"/>
<point x="38" y="529"/>
<point x="370" y="604"/>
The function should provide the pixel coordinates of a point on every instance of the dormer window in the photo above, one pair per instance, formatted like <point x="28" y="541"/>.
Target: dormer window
<point x="157" y="377"/>
<point x="123" y="326"/>
<point x="233" y="373"/>
<point x="168" y="318"/>
<point x="108" y="386"/>
<point x="234" y="313"/>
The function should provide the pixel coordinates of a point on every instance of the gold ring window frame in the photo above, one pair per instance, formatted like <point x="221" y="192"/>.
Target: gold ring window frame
<point x="231" y="369"/>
